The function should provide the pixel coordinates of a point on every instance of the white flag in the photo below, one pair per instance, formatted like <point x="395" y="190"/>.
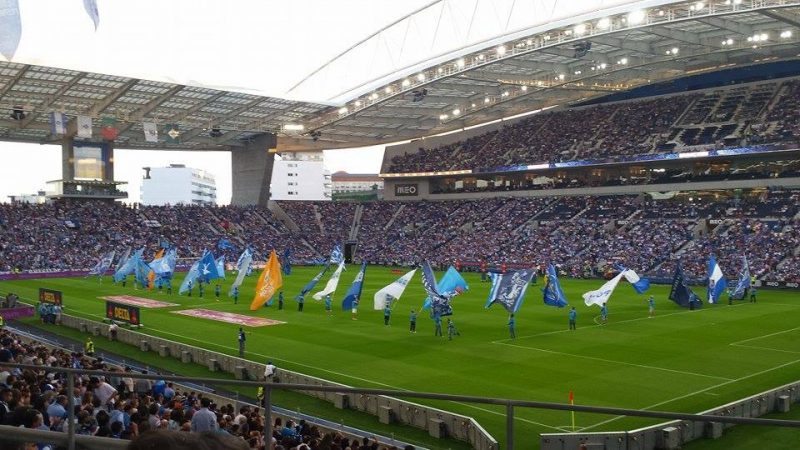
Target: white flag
<point x="601" y="295"/>
<point x="58" y="123"/>
<point x="150" y="131"/>
<point x="330" y="288"/>
<point x="84" y="127"/>
<point x="394" y="290"/>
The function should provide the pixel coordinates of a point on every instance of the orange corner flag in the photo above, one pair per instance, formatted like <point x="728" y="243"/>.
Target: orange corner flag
<point x="268" y="283"/>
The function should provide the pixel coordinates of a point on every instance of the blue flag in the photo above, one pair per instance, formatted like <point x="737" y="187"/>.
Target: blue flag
<point x="10" y="28"/>
<point x="91" y="9"/>
<point x="509" y="288"/>
<point x="310" y="285"/>
<point x="190" y="279"/>
<point x="716" y="281"/>
<point x="225" y="244"/>
<point x="743" y="283"/>
<point x="353" y="294"/>
<point x="440" y="302"/>
<point x="336" y="255"/>
<point x="640" y="285"/>
<point x="142" y="271"/>
<point x="103" y="265"/>
<point x="123" y="259"/>
<point x="450" y="282"/>
<point x="680" y="292"/>
<point x="552" y="293"/>
<point x="128" y="267"/>
<point x="220" y="263"/>
<point x="208" y="269"/>
<point x="286" y="264"/>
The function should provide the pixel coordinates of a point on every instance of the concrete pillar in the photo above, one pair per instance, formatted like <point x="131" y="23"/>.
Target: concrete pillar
<point x="108" y="157"/>
<point x="67" y="159"/>
<point x="251" y="168"/>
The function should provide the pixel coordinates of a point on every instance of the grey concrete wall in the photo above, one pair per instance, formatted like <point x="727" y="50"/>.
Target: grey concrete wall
<point x="251" y="169"/>
<point x="653" y="438"/>
<point x="457" y="426"/>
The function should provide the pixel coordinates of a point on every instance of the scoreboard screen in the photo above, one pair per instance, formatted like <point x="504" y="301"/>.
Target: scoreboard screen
<point x="119" y="312"/>
<point x="50" y="296"/>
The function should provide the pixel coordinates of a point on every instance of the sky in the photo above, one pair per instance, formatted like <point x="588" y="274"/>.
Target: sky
<point x="247" y="45"/>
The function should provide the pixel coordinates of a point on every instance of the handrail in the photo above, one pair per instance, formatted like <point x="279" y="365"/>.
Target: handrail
<point x="510" y="404"/>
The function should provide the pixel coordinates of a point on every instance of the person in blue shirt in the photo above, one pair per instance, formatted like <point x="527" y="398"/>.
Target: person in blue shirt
<point x="217" y="290"/>
<point x="236" y="295"/>
<point x="280" y="300"/>
<point x="604" y="313"/>
<point x="573" y="315"/>
<point x="511" y="324"/>
<point x="300" y="301"/>
<point x="651" y="303"/>
<point x="242" y="339"/>
<point x="328" y="304"/>
<point x="413" y="319"/>
<point x="387" y="310"/>
<point x="437" y="320"/>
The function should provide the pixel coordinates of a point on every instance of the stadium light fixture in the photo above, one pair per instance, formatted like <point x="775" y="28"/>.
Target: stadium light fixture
<point x="388" y="90"/>
<point x="439" y="70"/>
<point x="674" y="50"/>
<point x="406" y="83"/>
<point x="578" y="72"/>
<point x="420" y="77"/>
<point x="580" y="29"/>
<point x="456" y="112"/>
<point x="504" y="94"/>
<point x="764" y="36"/>
<point x="373" y="96"/>
<point x="480" y="57"/>
<point x="443" y="116"/>
<point x="623" y="61"/>
<point x="697" y="6"/>
<point x="343" y="110"/>
<point x="460" y="63"/>
<point x="501" y="50"/>
<point x="603" y="65"/>
<point x="294" y="127"/>
<point x="487" y="100"/>
<point x="636" y="17"/>
<point x="786" y="34"/>
<point x="358" y="103"/>
<point x="561" y="77"/>
<point x="524" y="88"/>
<point x="473" y="105"/>
<point x="604" y="23"/>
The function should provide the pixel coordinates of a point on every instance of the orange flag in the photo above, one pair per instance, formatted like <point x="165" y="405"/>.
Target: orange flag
<point x="268" y="283"/>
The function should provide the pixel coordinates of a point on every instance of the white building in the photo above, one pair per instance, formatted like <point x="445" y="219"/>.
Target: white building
<point x="356" y="182"/>
<point x="178" y="184"/>
<point x="300" y="176"/>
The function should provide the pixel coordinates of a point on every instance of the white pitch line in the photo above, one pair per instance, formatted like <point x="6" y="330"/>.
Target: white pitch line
<point x="691" y="394"/>
<point x="377" y="383"/>
<point x="756" y="347"/>
<point x="765" y="336"/>
<point x="500" y="341"/>
<point x="594" y="358"/>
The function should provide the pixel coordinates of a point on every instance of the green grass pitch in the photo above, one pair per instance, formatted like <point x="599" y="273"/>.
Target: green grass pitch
<point x="679" y="360"/>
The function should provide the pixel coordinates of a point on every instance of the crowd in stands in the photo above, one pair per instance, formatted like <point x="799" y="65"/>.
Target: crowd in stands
<point x="751" y="114"/>
<point x="582" y="234"/>
<point x="151" y="413"/>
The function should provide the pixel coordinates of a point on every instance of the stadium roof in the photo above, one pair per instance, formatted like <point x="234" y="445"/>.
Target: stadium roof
<point x="616" y="46"/>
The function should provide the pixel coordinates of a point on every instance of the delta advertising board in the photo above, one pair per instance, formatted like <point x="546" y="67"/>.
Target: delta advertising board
<point x="119" y="312"/>
<point x="50" y="296"/>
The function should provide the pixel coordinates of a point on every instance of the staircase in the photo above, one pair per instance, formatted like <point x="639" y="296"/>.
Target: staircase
<point x="397" y="214"/>
<point x="356" y="225"/>
<point x="281" y="215"/>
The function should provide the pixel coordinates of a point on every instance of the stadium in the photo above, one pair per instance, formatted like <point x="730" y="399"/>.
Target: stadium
<point x="581" y="230"/>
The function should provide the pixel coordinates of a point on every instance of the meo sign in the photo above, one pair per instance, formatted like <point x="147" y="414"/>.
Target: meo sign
<point x="406" y="190"/>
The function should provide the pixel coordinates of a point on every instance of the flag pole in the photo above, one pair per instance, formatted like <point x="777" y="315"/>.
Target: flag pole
<point x="572" y="413"/>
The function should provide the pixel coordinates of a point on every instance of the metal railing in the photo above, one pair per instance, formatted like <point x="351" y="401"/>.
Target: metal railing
<point x="510" y="404"/>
